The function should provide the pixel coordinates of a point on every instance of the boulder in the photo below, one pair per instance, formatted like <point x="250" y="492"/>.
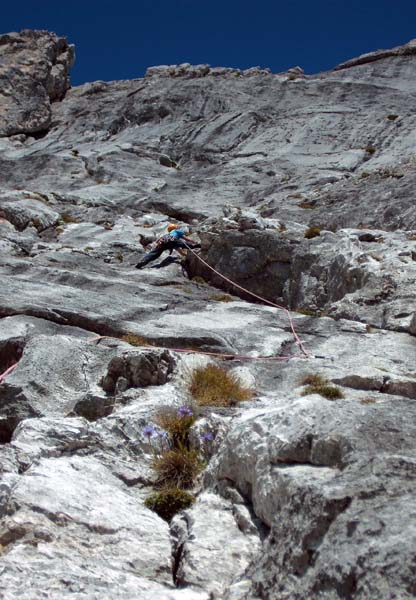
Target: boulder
<point x="34" y="73"/>
<point x="30" y="212"/>
<point x="138" y="369"/>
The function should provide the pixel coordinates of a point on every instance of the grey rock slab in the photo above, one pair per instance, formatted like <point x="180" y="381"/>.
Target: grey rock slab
<point x="122" y="548"/>
<point x="211" y="545"/>
<point x="49" y="437"/>
<point x="33" y="212"/>
<point x="52" y="375"/>
<point x="309" y="471"/>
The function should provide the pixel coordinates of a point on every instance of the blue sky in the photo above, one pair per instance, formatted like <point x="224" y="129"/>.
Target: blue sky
<point x="120" y="39"/>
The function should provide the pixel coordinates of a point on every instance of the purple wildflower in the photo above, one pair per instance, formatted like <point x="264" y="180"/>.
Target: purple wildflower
<point x="185" y="411"/>
<point x="207" y="436"/>
<point x="148" y="431"/>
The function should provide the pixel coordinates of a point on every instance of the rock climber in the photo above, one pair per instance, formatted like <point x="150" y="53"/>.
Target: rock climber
<point x="175" y="239"/>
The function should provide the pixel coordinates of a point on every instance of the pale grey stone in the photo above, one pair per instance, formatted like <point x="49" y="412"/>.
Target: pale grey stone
<point x="303" y="496"/>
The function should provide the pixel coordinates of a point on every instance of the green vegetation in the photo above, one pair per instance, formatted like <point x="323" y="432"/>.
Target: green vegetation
<point x="169" y="501"/>
<point x="213" y="385"/>
<point x="370" y="149"/>
<point x="177" y="423"/>
<point x="175" y="461"/>
<point x="316" y="384"/>
<point x="392" y="117"/>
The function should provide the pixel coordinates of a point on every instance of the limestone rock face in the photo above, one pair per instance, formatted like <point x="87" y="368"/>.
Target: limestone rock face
<point x="33" y="73"/>
<point x="301" y="190"/>
<point x="315" y="484"/>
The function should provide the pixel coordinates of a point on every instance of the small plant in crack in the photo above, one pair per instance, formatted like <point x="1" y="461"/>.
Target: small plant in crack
<point x="316" y="384"/>
<point x="177" y="467"/>
<point x="169" y="501"/>
<point x="175" y="462"/>
<point x="177" y="424"/>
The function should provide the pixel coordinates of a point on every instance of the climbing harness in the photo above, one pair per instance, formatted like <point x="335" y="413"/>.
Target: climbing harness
<point x="226" y="356"/>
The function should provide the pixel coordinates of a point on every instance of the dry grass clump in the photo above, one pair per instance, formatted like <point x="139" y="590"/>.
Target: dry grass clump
<point x="213" y="385"/>
<point x="198" y="279"/>
<point x="177" y="423"/>
<point x="312" y="232"/>
<point x="177" y="467"/>
<point x="169" y="501"/>
<point x="135" y="340"/>
<point x="316" y="384"/>
<point x="68" y="218"/>
<point x="369" y="400"/>
<point x="221" y="298"/>
<point x="307" y="204"/>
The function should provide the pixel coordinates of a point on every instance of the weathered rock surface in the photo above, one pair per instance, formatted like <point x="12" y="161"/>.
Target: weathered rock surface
<point x="33" y="73"/>
<point x="301" y="189"/>
<point x="314" y="472"/>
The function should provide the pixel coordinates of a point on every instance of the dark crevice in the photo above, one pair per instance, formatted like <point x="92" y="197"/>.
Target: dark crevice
<point x="177" y="558"/>
<point x="10" y="353"/>
<point x="38" y="135"/>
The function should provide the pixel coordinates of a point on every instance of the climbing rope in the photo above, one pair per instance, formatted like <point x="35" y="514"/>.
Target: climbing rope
<point x="191" y="351"/>
<point x="7" y="371"/>
<point x="304" y="354"/>
<point x="240" y="287"/>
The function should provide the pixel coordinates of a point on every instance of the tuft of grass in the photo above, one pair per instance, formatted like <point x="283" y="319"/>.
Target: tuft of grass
<point x="307" y="204"/>
<point x="392" y="117"/>
<point x="316" y="384"/>
<point x="370" y="149"/>
<point x="67" y="218"/>
<point x="37" y="224"/>
<point x="312" y="232"/>
<point x="213" y="385"/>
<point x="309" y="312"/>
<point x="221" y="298"/>
<point x="169" y="501"/>
<point x="135" y="340"/>
<point x="198" y="279"/>
<point x="177" y="467"/>
<point x="177" y="422"/>
<point x="369" y="400"/>
<point x="364" y="175"/>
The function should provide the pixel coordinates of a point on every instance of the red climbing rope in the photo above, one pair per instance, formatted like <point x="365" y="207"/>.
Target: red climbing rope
<point x="240" y="287"/>
<point x="189" y="351"/>
<point x="304" y="354"/>
<point x="7" y="371"/>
